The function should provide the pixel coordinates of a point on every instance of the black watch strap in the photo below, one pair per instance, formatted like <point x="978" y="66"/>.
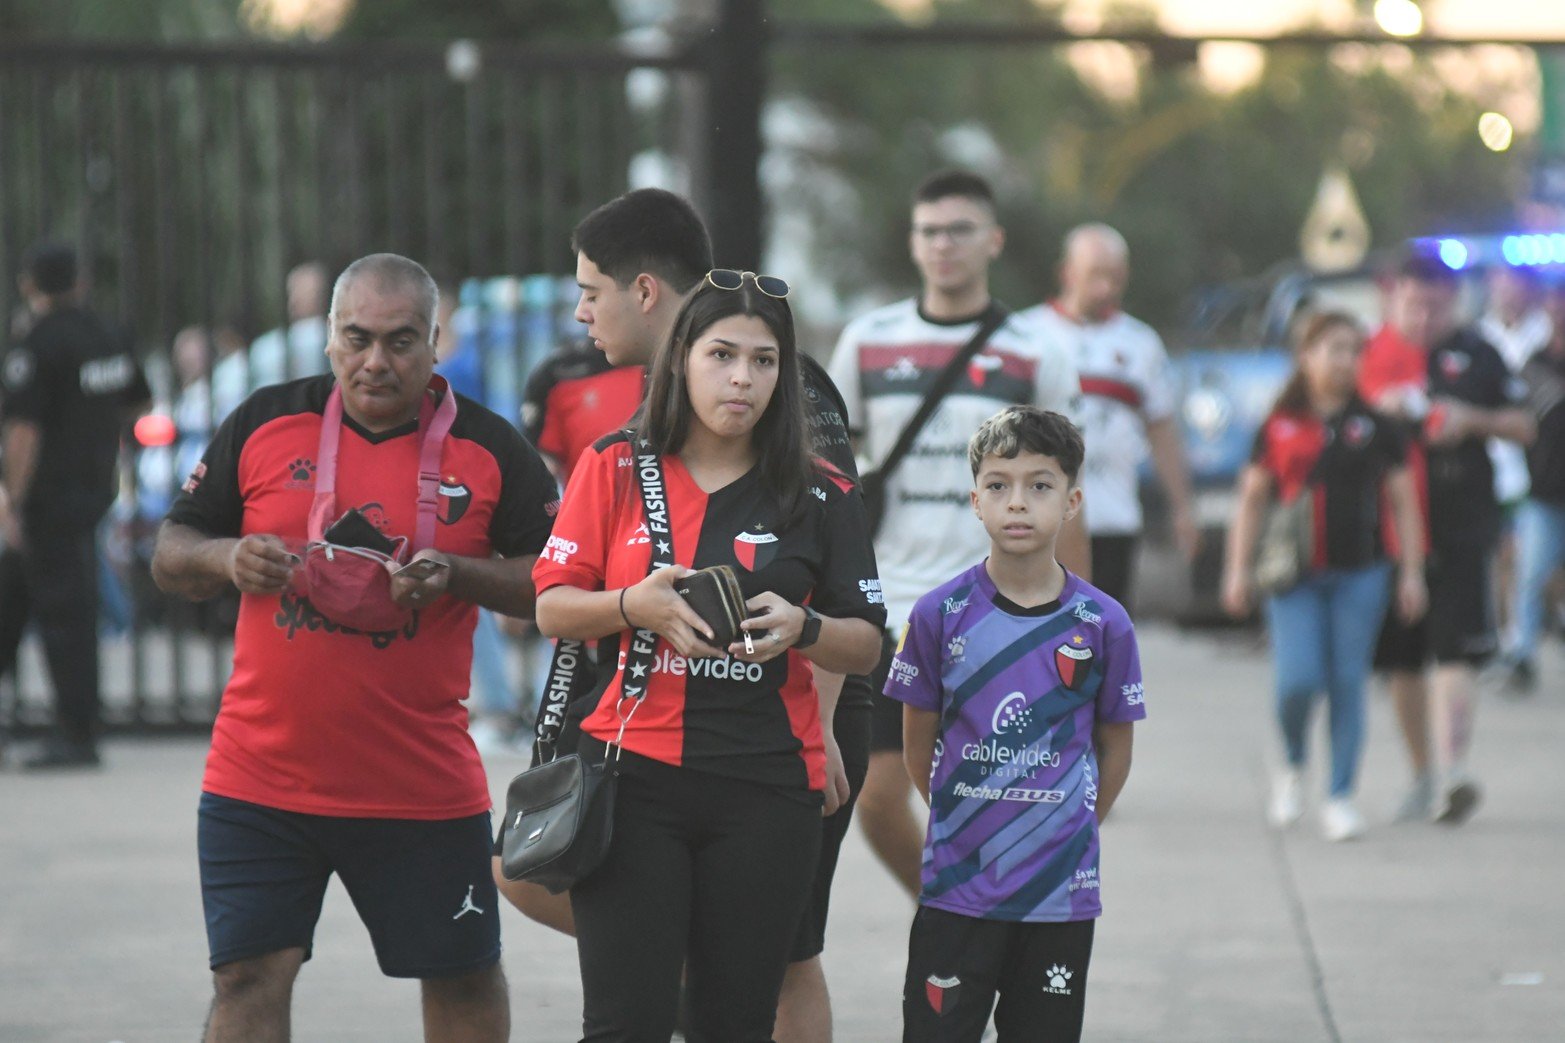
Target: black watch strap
<point x="811" y="632"/>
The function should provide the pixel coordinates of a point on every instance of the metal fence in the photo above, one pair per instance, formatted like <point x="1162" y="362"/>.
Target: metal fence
<point x="193" y="178"/>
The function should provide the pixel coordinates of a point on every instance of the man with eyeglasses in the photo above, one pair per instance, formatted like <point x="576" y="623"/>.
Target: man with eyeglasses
<point x="1127" y="404"/>
<point x="886" y="364"/>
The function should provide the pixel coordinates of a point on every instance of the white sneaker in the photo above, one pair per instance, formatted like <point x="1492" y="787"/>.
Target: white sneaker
<point x="1340" y="820"/>
<point x="1458" y="799"/>
<point x="1287" y="805"/>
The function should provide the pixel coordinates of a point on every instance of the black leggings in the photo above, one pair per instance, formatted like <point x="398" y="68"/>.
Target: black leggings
<point x="705" y="873"/>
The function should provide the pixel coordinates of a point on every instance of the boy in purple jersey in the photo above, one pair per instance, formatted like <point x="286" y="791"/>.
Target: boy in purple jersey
<point x="1020" y="684"/>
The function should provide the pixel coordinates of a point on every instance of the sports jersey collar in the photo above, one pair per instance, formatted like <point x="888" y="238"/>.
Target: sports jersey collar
<point x="967" y="320"/>
<point x="675" y="468"/>
<point x="377" y="437"/>
<point x="1011" y="608"/>
<point x="1076" y="320"/>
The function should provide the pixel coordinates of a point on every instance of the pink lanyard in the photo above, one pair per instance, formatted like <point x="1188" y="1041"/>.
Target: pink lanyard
<point x="434" y="422"/>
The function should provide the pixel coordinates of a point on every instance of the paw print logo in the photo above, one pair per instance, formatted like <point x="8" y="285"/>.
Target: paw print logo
<point x="1059" y="978"/>
<point x="301" y="473"/>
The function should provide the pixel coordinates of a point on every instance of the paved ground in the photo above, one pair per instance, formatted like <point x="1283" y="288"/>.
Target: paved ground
<point x="1216" y="929"/>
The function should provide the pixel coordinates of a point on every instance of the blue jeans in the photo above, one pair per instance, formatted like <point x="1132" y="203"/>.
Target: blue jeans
<point x="1540" y="549"/>
<point x="1323" y="636"/>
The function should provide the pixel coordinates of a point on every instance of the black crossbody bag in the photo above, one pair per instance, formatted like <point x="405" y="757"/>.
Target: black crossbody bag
<point x="873" y="483"/>
<point x="559" y="815"/>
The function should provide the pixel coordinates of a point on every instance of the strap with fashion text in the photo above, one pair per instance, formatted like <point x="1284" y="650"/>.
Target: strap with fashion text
<point x="565" y="669"/>
<point x="991" y="321"/>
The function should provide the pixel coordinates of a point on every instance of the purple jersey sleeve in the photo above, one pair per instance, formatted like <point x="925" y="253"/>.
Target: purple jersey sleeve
<point x="1120" y="697"/>
<point x="914" y="678"/>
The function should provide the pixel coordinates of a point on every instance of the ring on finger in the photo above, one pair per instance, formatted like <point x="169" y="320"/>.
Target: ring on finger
<point x="775" y="637"/>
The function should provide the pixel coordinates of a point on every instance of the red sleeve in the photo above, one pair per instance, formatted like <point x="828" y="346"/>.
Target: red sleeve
<point x="551" y="436"/>
<point x="577" y="551"/>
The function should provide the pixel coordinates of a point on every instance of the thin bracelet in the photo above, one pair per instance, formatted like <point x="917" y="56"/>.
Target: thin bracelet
<point x="622" y="615"/>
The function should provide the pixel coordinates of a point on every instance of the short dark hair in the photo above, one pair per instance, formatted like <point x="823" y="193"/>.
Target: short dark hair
<point x="648" y="230"/>
<point x="390" y="272"/>
<point x="944" y="184"/>
<point x="781" y="435"/>
<point x="1422" y="266"/>
<point x="1027" y="429"/>
<point x="52" y="267"/>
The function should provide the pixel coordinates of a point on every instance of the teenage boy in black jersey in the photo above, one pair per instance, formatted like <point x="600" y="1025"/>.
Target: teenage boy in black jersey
<point x="1454" y="392"/>
<point x="637" y="258"/>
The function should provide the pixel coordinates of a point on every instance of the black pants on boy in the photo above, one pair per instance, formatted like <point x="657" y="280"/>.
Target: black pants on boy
<point x="53" y="583"/>
<point x="705" y="873"/>
<point x="957" y="964"/>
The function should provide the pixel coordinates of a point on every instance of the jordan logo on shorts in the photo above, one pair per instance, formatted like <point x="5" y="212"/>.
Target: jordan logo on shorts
<point x="467" y="905"/>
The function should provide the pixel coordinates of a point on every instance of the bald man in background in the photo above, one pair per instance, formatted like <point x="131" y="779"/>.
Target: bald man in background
<point x="1127" y="404"/>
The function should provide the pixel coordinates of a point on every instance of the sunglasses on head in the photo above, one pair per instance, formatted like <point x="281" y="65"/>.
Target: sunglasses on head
<point x="729" y="279"/>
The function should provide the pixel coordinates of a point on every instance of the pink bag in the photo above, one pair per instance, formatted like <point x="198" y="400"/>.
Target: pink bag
<point x="351" y="586"/>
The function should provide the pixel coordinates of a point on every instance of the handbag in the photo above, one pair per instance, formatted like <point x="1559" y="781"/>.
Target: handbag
<point x="1287" y="543"/>
<point x="350" y="583"/>
<point x="873" y="482"/>
<point x="559" y="814"/>
<point x="715" y="596"/>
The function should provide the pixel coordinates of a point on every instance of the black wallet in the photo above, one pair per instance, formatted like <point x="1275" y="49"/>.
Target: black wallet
<point x="355" y="530"/>
<point x="715" y="595"/>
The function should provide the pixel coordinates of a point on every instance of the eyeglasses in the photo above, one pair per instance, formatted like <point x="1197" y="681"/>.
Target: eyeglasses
<point x="959" y="232"/>
<point x="729" y="279"/>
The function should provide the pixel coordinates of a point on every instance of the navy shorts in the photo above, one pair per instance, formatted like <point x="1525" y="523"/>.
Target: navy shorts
<point x="424" y="889"/>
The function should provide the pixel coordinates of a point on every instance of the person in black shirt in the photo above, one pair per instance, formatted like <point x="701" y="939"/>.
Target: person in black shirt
<point x="70" y="386"/>
<point x="1540" y="521"/>
<point x="1322" y="441"/>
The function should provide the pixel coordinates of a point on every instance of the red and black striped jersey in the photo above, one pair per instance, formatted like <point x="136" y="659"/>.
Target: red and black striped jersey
<point x="320" y="718"/>
<point x="759" y="722"/>
<point x="1344" y="459"/>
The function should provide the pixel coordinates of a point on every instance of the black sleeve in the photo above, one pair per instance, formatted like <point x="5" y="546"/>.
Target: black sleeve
<point x="29" y="380"/>
<point x="529" y="498"/>
<point x="1393" y="440"/>
<point x="849" y="584"/>
<point x="210" y="500"/>
<point x="535" y="398"/>
<point x="827" y="414"/>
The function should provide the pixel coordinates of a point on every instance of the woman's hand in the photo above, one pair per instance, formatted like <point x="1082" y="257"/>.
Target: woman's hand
<point x="1412" y="596"/>
<point x="774" y="625"/>
<point x="653" y="604"/>
<point x="1238" y="599"/>
<point x="837" y="789"/>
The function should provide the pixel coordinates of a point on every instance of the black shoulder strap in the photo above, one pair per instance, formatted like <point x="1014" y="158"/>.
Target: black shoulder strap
<point x="566" y="671"/>
<point x="992" y="320"/>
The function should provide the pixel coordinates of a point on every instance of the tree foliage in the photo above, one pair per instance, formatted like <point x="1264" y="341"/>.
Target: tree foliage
<point x="1206" y="186"/>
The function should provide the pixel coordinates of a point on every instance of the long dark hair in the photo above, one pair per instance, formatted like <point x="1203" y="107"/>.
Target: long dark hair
<point x="1295" y="394"/>
<point x="781" y="435"/>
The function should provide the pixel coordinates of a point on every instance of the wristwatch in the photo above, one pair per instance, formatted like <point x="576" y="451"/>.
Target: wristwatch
<point x="811" y="632"/>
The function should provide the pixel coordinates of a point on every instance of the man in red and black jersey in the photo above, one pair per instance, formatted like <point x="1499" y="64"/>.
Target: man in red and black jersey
<point x="1454" y="392"/>
<point x="340" y="750"/>
<point x="572" y="398"/>
<point x="638" y="258"/>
